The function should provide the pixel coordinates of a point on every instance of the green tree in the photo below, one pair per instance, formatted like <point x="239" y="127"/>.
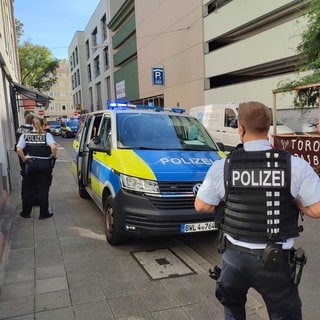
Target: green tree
<point x="19" y="30"/>
<point x="309" y="60"/>
<point x="37" y="66"/>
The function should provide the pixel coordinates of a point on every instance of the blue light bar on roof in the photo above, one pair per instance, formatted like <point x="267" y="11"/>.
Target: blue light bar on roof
<point x="125" y="105"/>
<point x="117" y="105"/>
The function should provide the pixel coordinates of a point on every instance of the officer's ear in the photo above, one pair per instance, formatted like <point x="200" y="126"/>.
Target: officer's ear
<point x="241" y="130"/>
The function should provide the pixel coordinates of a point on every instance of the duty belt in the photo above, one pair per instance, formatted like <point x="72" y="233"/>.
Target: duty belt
<point x="256" y="252"/>
<point x="41" y="158"/>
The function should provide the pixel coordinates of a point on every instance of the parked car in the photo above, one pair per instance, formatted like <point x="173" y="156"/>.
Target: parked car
<point x="69" y="128"/>
<point x="54" y="127"/>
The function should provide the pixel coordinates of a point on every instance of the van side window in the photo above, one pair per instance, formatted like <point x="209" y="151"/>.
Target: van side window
<point x="105" y="131"/>
<point x="95" y="126"/>
<point x="230" y="118"/>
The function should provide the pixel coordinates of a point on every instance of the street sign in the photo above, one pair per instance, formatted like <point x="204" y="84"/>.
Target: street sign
<point x="157" y="76"/>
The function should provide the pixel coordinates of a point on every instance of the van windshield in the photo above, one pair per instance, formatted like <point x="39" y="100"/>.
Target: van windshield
<point x="162" y="132"/>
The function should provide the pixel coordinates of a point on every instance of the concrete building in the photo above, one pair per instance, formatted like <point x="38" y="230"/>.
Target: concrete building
<point x="249" y="48"/>
<point x="189" y="52"/>
<point x="62" y="105"/>
<point x="124" y="52"/>
<point x="9" y="74"/>
<point x="90" y="62"/>
<point x="170" y="36"/>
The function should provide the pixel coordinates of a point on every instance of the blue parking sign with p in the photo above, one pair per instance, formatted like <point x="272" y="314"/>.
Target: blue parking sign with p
<point x="157" y="76"/>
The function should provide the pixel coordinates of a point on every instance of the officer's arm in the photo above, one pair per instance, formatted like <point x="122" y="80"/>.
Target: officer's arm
<point x="21" y="154"/>
<point x="54" y="150"/>
<point x="203" y="206"/>
<point x="312" y="211"/>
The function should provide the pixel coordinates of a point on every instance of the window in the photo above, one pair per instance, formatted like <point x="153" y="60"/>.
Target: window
<point x="108" y="87"/>
<point x="94" y="37"/>
<point x="104" y="27"/>
<point x="76" y="55"/>
<point x="78" y="77"/>
<point x="87" y="49"/>
<point x="98" y="93"/>
<point x="106" y="58"/>
<point x="89" y="73"/>
<point x="63" y="107"/>
<point x="96" y="66"/>
<point x="215" y="5"/>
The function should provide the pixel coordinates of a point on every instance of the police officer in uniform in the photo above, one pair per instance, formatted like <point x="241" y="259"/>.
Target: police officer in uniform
<point x="263" y="190"/>
<point x="38" y="151"/>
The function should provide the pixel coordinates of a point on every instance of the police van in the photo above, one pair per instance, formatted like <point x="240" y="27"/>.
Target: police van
<point x="141" y="166"/>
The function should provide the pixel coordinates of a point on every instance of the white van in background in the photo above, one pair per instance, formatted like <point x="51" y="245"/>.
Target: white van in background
<point x="221" y="120"/>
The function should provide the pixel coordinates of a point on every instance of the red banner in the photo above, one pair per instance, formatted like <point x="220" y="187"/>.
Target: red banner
<point x="303" y="146"/>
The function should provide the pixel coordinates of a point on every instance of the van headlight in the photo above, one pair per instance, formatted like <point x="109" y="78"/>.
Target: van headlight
<point x="138" y="184"/>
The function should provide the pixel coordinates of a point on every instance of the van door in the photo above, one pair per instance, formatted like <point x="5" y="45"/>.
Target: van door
<point x="230" y="135"/>
<point x="103" y="140"/>
<point x="84" y="159"/>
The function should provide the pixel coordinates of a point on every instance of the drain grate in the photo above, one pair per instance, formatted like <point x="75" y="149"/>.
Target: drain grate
<point x="162" y="263"/>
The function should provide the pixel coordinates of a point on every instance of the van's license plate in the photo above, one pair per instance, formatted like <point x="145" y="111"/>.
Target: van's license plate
<point x="197" y="227"/>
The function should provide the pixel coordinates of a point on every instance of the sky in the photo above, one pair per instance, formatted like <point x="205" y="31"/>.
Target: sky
<point x="53" y="23"/>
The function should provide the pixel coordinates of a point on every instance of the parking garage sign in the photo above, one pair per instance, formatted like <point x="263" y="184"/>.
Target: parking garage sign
<point x="157" y="76"/>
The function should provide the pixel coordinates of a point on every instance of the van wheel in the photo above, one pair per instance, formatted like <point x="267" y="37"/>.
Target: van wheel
<point x="111" y="225"/>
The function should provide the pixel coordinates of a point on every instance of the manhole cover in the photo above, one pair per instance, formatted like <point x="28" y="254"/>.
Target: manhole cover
<point x="162" y="263"/>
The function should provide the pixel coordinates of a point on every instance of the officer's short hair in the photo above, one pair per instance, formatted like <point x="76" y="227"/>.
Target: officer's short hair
<point x="29" y="118"/>
<point x="254" y="116"/>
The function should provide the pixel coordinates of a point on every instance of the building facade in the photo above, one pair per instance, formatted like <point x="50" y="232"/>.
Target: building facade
<point x="9" y="74"/>
<point x="170" y="37"/>
<point x="91" y="64"/>
<point x="189" y="52"/>
<point x="62" y="105"/>
<point x="247" y="55"/>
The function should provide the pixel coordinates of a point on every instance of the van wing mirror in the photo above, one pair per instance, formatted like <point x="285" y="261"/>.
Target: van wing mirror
<point x="96" y="145"/>
<point x="221" y="146"/>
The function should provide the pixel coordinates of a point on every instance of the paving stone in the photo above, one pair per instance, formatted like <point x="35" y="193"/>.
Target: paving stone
<point x="51" y="284"/>
<point x="52" y="300"/>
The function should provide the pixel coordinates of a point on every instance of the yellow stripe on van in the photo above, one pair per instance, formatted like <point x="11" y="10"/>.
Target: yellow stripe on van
<point x="127" y="162"/>
<point x="221" y="154"/>
<point x="96" y="186"/>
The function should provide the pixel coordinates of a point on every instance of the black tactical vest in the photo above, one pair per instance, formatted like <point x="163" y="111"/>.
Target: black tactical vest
<point x="259" y="204"/>
<point x="36" y="145"/>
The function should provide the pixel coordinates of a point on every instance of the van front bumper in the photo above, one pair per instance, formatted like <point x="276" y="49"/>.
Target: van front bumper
<point x="153" y="216"/>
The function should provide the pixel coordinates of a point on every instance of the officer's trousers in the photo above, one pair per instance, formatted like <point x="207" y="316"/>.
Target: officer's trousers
<point x="35" y="186"/>
<point x="240" y="271"/>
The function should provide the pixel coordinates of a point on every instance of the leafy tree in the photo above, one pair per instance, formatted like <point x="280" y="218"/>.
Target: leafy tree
<point x="37" y="66"/>
<point x="309" y="60"/>
<point x="19" y="29"/>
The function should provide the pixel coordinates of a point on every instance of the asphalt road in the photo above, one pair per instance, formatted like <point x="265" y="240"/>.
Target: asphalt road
<point x="205" y="245"/>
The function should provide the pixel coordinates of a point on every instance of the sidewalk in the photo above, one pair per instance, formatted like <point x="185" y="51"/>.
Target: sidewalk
<point x="63" y="268"/>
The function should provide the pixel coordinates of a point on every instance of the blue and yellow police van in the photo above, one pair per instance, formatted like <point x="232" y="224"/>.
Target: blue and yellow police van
<point x="141" y="166"/>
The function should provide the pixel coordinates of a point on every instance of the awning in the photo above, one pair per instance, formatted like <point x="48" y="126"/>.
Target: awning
<point x="40" y="99"/>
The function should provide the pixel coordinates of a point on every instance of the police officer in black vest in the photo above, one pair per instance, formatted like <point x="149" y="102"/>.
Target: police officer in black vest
<point x="262" y="190"/>
<point x="38" y="151"/>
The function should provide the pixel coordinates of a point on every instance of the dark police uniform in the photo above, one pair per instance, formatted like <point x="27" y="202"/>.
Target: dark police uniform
<point x="258" y="188"/>
<point x="38" y="172"/>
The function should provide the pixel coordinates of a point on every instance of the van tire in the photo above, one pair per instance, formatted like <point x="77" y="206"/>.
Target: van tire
<point x="111" y="224"/>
